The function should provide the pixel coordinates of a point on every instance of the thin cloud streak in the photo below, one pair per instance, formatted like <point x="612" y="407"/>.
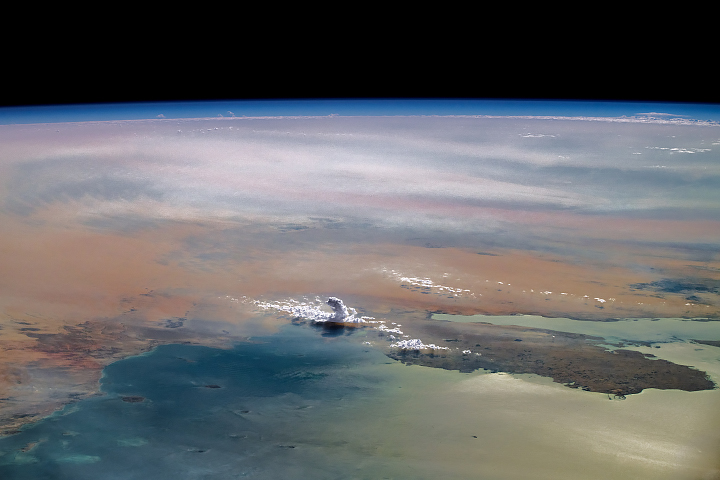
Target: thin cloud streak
<point x="412" y="170"/>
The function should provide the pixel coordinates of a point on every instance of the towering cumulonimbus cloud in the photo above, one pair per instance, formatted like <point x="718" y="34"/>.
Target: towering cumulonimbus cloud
<point x="340" y="311"/>
<point x="314" y="312"/>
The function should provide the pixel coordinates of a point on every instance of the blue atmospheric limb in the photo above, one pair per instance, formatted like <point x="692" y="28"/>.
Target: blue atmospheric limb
<point x="355" y="107"/>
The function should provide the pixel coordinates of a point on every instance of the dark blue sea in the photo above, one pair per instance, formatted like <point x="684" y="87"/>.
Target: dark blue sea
<point x="275" y="408"/>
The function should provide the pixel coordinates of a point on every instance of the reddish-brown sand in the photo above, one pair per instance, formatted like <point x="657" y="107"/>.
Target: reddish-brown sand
<point x="76" y="298"/>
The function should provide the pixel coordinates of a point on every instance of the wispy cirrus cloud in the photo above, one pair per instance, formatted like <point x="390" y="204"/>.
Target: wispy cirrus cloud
<point x="403" y="170"/>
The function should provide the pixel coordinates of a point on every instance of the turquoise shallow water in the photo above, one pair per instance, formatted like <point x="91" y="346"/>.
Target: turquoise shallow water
<point x="306" y="403"/>
<point x="260" y="410"/>
<point x="653" y="330"/>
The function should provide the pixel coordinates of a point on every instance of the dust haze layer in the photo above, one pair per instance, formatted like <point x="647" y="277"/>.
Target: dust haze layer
<point x="121" y="236"/>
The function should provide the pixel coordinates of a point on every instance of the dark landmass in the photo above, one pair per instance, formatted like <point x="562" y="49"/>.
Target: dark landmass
<point x="682" y="285"/>
<point x="174" y="322"/>
<point x="714" y="343"/>
<point x="133" y="399"/>
<point x="74" y="358"/>
<point x="571" y="359"/>
<point x="94" y="344"/>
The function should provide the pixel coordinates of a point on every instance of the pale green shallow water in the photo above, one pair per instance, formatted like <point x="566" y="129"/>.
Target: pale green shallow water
<point x="653" y="330"/>
<point x="304" y="405"/>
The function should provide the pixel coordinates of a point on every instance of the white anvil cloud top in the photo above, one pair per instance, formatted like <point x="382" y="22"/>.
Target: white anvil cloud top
<point x="341" y="314"/>
<point x="313" y="310"/>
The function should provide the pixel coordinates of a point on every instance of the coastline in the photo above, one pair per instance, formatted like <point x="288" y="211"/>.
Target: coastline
<point x="514" y="348"/>
<point x="412" y="419"/>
